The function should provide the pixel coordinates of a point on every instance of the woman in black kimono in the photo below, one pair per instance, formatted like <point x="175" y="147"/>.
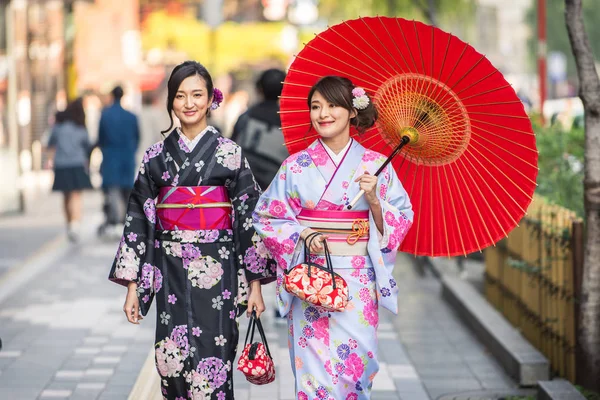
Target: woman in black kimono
<point x="189" y="242"/>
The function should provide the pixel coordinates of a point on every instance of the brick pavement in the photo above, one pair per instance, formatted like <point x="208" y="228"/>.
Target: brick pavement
<point x="65" y="336"/>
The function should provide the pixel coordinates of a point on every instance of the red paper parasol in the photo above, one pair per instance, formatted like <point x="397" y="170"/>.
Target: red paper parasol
<point x="471" y="165"/>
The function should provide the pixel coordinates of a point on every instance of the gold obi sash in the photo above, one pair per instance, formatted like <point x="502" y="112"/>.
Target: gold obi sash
<point x="348" y="231"/>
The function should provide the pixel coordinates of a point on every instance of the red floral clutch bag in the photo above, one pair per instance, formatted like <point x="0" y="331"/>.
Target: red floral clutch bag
<point x="315" y="283"/>
<point x="256" y="362"/>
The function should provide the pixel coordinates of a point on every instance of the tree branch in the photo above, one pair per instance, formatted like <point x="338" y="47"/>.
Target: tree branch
<point x="427" y="10"/>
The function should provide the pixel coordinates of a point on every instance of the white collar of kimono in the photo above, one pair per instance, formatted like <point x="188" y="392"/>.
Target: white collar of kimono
<point x="192" y="143"/>
<point x="337" y="158"/>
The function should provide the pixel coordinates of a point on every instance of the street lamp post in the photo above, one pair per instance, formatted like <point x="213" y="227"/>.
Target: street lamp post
<point x="542" y="49"/>
<point x="213" y="16"/>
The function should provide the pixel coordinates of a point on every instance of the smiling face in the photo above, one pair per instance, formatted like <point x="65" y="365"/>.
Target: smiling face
<point x="191" y="104"/>
<point x="329" y="120"/>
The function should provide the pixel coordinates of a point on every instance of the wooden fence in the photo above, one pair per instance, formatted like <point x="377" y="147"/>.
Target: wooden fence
<point x="534" y="277"/>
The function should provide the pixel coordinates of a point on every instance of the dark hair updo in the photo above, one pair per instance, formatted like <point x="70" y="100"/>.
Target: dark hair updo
<point x="338" y="91"/>
<point x="179" y="74"/>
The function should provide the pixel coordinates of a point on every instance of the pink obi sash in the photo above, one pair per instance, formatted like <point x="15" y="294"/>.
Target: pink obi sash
<point x="348" y="231"/>
<point x="193" y="208"/>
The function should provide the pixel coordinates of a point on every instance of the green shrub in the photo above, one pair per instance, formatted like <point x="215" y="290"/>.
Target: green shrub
<point x="560" y="160"/>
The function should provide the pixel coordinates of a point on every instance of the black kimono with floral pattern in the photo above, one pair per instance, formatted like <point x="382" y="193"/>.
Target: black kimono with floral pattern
<point x="199" y="278"/>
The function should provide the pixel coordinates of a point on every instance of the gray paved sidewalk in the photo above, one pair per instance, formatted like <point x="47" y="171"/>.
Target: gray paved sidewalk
<point x="65" y="336"/>
<point x="448" y="358"/>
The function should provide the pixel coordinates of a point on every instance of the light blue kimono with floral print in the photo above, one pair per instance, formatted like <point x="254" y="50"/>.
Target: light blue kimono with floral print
<point x="334" y="354"/>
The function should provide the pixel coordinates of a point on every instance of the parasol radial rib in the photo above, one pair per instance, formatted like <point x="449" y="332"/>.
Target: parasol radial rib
<point x="503" y="127"/>
<point x="395" y="45"/>
<point x="494" y="194"/>
<point x="354" y="58"/>
<point x="466" y="213"/>
<point x="408" y="47"/>
<point x="343" y="63"/>
<point x="457" y="222"/>
<point x="504" y="174"/>
<point x="482" y="221"/>
<point x="368" y="43"/>
<point x="384" y="47"/>
<point x="505" y="161"/>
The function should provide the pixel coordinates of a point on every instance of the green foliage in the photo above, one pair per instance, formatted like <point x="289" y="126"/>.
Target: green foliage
<point x="556" y="30"/>
<point x="588" y="394"/>
<point x="408" y="9"/>
<point x="560" y="161"/>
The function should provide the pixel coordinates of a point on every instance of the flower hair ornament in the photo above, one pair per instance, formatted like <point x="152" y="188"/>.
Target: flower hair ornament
<point x="217" y="99"/>
<point x="360" y="100"/>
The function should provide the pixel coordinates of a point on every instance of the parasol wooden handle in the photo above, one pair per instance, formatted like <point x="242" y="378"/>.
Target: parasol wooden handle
<point x="405" y="140"/>
<point x="355" y="199"/>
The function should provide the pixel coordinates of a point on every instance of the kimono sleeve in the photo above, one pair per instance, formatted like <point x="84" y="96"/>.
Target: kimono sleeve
<point x="396" y="211"/>
<point x="250" y="250"/>
<point x="275" y="220"/>
<point x="134" y="259"/>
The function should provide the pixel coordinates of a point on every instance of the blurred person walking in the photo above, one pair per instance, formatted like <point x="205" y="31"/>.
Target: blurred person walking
<point x="258" y="132"/>
<point x="189" y="243"/>
<point x="69" y="146"/>
<point x="118" y="139"/>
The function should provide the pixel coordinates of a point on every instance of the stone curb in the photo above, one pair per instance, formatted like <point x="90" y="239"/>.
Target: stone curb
<point x="519" y="358"/>
<point x="559" y="389"/>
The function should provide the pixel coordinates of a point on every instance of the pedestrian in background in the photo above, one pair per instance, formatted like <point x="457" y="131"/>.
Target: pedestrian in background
<point x="118" y="139"/>
<point x="69" y="146"/>
<point x="258" y="131"/>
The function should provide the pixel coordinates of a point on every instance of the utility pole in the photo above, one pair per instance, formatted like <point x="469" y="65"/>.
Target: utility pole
<point x="542" y="50"/>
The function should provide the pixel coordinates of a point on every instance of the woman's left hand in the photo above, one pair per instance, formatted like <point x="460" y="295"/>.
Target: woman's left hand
<point x="255" y="300"/>
<point x="368" y="183"/>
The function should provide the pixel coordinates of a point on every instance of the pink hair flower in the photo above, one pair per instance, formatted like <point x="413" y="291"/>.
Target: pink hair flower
<point x="217" y="99"/>
<point x="358" y="91"/>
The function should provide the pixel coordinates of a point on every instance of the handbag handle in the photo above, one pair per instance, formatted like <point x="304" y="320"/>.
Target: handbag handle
<point x="307" y="242"/>
<point x="328" y="263"/>
<point x="255" y="322"/>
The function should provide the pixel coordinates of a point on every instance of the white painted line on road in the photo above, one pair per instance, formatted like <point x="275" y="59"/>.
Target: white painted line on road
<point x="99" y="372"/>
<point x="87" y="350"/>
<point x="55" y="394"/>
<point x="403" y="372"/>
<point x="91" y="386"/>
<point x="64" y="374"/>
<point x="107" y="360"/>
<point x="10" y="354"/>
<point x="95" y="340"/>
<point x="114" y="349"/>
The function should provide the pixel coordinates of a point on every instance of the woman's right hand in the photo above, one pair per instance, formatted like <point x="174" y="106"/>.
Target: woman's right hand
<point x="316" y="242"/>
<point x="132" y="304"/>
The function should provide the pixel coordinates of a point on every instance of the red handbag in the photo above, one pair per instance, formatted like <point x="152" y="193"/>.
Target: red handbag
<point x="256" y="362"/>
<point x="315" y="283"/>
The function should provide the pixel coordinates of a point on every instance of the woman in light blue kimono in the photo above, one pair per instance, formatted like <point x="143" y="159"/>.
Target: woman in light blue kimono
<point x="334" y="354"/>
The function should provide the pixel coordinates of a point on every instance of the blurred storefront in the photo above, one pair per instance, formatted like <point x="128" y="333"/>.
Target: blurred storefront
<point x="31" y="86"/>
<point x="52" y="51"/>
